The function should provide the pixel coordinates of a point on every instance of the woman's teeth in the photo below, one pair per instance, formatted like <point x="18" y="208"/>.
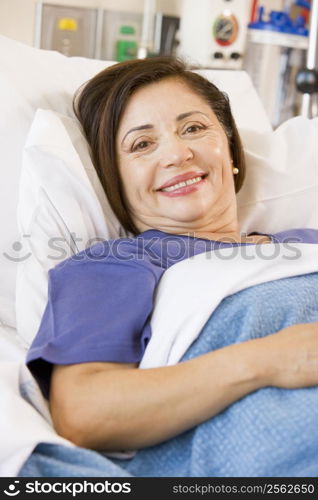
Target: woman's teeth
<point x="183" y="184"/>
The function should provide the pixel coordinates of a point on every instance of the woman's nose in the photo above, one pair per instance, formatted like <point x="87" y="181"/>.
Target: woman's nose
<point x="175" y="152"/>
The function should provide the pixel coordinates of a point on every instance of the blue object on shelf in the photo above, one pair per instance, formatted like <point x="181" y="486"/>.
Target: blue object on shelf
<point x="280" y="22"/>
<point x="303" y="3"/>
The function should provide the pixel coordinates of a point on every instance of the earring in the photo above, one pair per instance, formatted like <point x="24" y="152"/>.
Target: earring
<point x="235" y="170"/>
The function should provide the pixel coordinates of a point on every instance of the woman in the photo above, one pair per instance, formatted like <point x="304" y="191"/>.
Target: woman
<point x="169" y="157"/>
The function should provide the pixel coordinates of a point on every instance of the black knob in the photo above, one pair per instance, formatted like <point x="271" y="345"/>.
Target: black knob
<point x="218" y="55"/>
<point x="235" y="56"/>
<point x="307" y="81"/>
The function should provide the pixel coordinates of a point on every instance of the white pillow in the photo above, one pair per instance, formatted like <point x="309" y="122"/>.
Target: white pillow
<point x="281" y="187"/>
<point x="62" y="210"/>
<point x="29" y="79"/>
<point x="57" y="199"/>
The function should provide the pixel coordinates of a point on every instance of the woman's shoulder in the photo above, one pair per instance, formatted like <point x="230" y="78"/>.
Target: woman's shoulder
<point x="119" y="252"/>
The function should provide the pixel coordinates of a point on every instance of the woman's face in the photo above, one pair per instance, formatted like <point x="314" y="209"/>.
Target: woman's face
<point x="174" y="161"/>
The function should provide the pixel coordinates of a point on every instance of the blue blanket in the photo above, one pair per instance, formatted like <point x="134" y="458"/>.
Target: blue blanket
<point x="271" y="432"/>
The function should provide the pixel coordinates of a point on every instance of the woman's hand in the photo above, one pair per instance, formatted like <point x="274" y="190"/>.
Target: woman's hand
<point x="292" y="356"/>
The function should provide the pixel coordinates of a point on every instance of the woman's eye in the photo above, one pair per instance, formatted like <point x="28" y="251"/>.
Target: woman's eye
<point x="194" y="128"/>
<point x="140" y="145"/>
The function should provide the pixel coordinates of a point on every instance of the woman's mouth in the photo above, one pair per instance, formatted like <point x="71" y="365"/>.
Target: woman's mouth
<point x="184" y="187"/>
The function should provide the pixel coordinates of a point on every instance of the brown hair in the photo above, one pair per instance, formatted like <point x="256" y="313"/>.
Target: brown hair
<point x="99" y="106"/>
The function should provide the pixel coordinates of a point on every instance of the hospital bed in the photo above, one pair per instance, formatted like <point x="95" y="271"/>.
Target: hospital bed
<point x="49" y="189"/>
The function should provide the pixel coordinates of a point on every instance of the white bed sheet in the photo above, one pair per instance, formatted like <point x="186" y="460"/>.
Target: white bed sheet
<point x="24" y="416"/>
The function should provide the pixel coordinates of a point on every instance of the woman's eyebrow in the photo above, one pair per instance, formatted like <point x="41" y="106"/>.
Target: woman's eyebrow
<point x="189" y="113"/>
<point x="149" y="125"/>
<point x="140" y="127"/>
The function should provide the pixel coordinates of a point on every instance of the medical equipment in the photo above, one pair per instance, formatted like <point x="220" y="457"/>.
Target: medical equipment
<point x="105" y="34"/>
<point x="69" y="30"/>
<point x="307" y="78"/>
<point x="126" y="45"/>
<point x="55" y="206"/>
<point x="112" y="22"/>
<point x="166" y="33"/>
<point x="275" y="51"/>
<point x="159" y="32"/>
<point x="219" y="32"/>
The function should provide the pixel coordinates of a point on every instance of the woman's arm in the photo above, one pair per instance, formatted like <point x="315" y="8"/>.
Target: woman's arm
<point x="112" y="406"/>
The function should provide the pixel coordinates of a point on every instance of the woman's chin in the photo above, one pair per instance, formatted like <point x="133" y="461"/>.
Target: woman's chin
<point x="189" y="218"/>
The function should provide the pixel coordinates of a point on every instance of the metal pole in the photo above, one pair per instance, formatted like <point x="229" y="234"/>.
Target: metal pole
<point x="146" y="45"/>
<point x="37" y="25"/>
<point x="311" y="55"/>
<point x="99" y="34"/>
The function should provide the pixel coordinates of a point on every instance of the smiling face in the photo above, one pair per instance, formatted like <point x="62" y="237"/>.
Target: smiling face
<point x="174" y="162"/>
